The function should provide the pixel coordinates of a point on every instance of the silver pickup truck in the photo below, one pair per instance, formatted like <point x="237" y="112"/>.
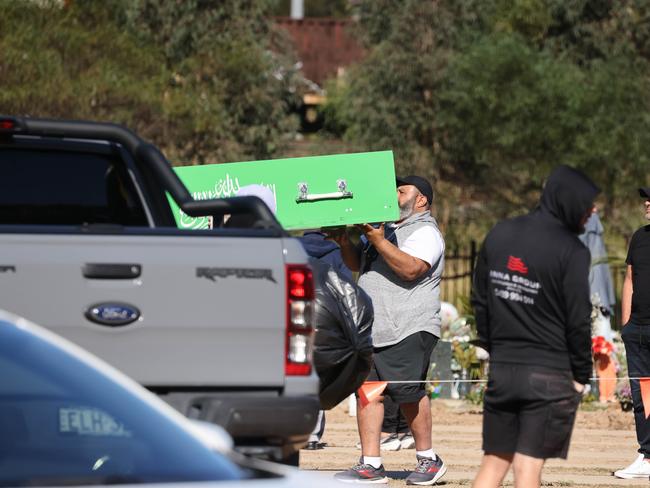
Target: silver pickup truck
<point x="216" y="322"/>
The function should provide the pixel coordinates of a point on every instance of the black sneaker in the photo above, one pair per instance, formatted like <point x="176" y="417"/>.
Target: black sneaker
<point x="427" y="472"/>
<point x="363" y="473"/>
<point x="314" y="445"/>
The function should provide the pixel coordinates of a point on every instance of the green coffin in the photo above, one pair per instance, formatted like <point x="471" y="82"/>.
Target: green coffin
<point x="310" y="192"/>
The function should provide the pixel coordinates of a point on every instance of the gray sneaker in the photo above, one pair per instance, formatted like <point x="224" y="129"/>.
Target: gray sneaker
<point x="363" y="473"/>
<point x="427" y="472"/>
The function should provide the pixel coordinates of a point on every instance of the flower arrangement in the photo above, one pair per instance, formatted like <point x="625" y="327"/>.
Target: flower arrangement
<point x="476" y="393"/>
<point x="600" y="345"/>
<point x="623" y="393"/>
<point x="433" y="388"/>
<point x="468" y="361"/>
<point x="624" y="396"/>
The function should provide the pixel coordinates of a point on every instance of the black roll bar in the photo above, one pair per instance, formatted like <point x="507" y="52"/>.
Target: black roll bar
<point x="155" y="160"/>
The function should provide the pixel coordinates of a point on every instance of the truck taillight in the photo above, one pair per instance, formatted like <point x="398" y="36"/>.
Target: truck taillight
<point x="300" y="293"/>
<point x="9" y="124"/>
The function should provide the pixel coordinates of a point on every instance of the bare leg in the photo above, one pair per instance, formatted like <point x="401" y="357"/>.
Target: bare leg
<point x="369" y="420"/>
<point x="527" y="470"/>
<point x="494" y="468"/>
<point x="418" y="416"/>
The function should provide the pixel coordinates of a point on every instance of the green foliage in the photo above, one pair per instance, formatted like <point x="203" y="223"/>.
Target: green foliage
<point x="511" y="109"/>
<point x="53" y="65"/>
<point x="490" y="95"/>
<point x="589" y="398"/>
<point x="476" y="394"/>
<point x="530" y="18"/>
<point x="314" y="8"/>
<point x="200" y="78"/>
<point x="333" y="112"/>
<point x="228" y="95"/>
<point x="466" y="310"/>
<point x="465" y="355"/>
<point x="505" y="107"/>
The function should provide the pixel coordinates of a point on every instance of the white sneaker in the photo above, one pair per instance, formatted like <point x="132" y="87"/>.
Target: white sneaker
<point x="638" y="469"/>
<point x="390" y="443"/>
<point x="407" y="441"/>
<point x="387" y="443"/>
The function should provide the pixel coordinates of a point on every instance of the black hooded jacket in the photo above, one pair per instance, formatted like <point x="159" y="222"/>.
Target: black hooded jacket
<point x="531" y="283"/>
<point x="317" y="246"/>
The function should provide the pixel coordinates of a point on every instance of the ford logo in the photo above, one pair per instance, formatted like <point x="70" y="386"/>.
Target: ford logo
<point x="112" y="314"/>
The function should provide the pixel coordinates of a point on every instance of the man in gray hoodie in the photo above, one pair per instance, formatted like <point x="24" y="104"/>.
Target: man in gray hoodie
<point x="400" y="268"/>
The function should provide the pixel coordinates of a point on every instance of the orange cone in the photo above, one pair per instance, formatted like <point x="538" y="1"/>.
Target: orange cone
<point x="606" y="371"/>
<point x="370" y="390"/>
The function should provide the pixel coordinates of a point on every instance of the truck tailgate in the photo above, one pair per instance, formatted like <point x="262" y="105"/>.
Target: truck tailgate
<point x="212" y="310"/>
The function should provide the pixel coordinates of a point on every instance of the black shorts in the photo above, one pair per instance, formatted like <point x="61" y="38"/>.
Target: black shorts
<point x="530" y="410"/>
<point x="408" y="360"/>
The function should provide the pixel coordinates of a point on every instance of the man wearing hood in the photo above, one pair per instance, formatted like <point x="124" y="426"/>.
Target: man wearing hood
<point x="400" y="269"/>
<point x="635" y="315"/>
<point x="531" y="300"/>
<point x="317" y="246"/>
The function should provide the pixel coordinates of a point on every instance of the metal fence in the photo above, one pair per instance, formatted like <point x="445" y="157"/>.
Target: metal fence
<point x="456" y="282"/>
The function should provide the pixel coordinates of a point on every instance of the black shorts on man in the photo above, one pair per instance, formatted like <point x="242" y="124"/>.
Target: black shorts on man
<point x="408" y="360"/>
<point x="529" y="410"/>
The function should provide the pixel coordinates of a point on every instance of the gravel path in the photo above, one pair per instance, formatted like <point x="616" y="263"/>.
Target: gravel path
<point x="603" y="441"/>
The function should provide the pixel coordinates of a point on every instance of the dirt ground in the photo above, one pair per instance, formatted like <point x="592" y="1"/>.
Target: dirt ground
<point x="603" y="441"/>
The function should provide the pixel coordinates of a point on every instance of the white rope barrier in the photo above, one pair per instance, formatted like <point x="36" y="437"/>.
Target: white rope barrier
<point x="485" y="381"/>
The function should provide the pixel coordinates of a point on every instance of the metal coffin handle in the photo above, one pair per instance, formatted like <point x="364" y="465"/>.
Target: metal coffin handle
<point x="304" y="195"/>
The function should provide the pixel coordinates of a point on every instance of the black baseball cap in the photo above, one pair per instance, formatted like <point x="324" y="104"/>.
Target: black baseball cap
<point x="645" y="192"/>
<point x="418" y="182"/>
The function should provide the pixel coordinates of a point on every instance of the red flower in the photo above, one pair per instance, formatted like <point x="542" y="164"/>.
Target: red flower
<point x="599" y="345"/>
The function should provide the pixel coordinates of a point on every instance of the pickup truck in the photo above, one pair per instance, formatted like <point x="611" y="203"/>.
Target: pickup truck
<point x="216" y="322"/>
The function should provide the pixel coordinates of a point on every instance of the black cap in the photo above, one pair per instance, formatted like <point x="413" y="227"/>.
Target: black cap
<point x="645" y="192"/>
<point x="418" y="182"/>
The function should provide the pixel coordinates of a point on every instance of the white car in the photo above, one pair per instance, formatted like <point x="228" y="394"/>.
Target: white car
<point x="69" y="419"/>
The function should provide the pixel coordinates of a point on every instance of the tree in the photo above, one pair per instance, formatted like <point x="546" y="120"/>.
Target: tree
<point x="229" y="92"/>
<point x="490" y="95"/>
<point x="314" y="8"/>
<point x="67" y="63"/>
<point x="207" y="81"/>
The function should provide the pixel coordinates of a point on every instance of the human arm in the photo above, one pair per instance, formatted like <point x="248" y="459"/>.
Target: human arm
<point x="626" y="296"/>
<point x="350" y="253"/>
<point x="575" y="289"/>
<point x="479" y="298"/>
<point x="406" y="266"/>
